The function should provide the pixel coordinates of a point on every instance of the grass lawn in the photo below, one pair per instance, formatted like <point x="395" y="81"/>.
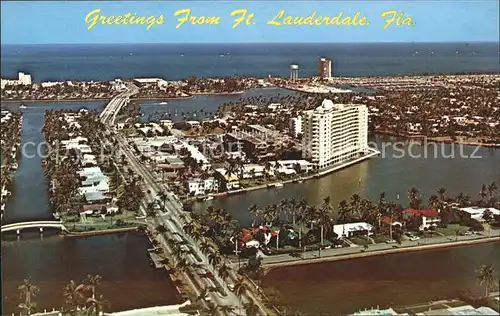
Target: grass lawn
<point x="380" y="239"/>
<point x="360" y="241"/>
<point x="452" y="229"/>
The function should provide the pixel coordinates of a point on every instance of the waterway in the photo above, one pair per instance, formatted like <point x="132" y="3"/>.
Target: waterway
<point x="52" y="261"/>
<point x="421" y="167"/>
<point x="122" y="262"/>
<point x="343" y="287"/>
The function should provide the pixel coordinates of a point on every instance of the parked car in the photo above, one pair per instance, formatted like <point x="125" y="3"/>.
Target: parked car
<point x="230" y="287"/>
<point x="414" y="238"/>
<point x="390" y="241"/>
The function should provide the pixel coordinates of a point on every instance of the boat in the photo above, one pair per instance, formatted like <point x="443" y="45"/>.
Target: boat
<point x="163" y="103"/>
<point x="209" y="198"/>
<point x="278" y="185"/>
<point x="22" y="106"/>
<point x="14" y="166"/>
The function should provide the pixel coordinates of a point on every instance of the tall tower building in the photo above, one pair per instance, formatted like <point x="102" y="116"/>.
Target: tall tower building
<point x="325" y="68"/>
<point x="294" y="72"/>
<point x="334" y="133"/>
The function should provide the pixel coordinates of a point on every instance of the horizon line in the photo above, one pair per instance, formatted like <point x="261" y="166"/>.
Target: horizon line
<point x="252" y="43"/>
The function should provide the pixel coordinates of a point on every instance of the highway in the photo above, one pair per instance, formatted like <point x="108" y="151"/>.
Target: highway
<point x="108" y="115"/>
<point x="173" y="217"/>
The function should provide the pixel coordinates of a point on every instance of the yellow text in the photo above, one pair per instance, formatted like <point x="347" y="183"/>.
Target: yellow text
<point x="242" y="16"/>
<point x="396" y="18"/>
<point x="314" y="19"/>
<point x="94" y="17"/>
<point x="186" y="17"/>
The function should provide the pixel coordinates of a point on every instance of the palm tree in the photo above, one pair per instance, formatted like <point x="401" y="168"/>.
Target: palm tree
<point x="214" y="258"/>
<point x="414" y="197"/>
<point x="254" y="212"/>
<point x="442" y="194"/>
<point x="28" y="291"/>
<point x="486" y="276"/>
<point x="95" y="305"/>
<point x="488" y="216"/>
<point x="251" y="309"/>
<point x="483" y="193"/>
<point x="224" y="271"/>
<point x="161" y="229"/>
<point x="226" y="309"/>
<point x="92" y="283"/>
<point x="211" y="310"/>
<point x="73" y="296"/>
<point x="239" y="288"/>
<point x="163" y="198"/>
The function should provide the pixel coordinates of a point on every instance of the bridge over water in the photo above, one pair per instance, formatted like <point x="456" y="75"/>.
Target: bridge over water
<point x="17" y="227"/>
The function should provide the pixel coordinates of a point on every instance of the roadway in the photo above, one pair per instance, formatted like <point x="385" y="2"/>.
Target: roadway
<point x="108" y="115"/>
<point x="174" y="218"/>
<point x="339" y="253"/>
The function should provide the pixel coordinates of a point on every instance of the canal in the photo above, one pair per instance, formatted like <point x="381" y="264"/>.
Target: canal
<point x="343" y="287"/>
<point x="52" y="261"/>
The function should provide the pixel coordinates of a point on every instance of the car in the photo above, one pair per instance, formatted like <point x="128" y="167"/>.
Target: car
<point x="230" y="287"/>
<point x="414" y="238"/>
<point x="390" y="241"/>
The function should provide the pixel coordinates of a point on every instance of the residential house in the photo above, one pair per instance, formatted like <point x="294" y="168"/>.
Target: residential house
<point x="477" y="213"/>
<point x="352" y="229"/>
<point x="227" y="181"/>
<point x="430" y="218"/>
<point x="200" y="186"/>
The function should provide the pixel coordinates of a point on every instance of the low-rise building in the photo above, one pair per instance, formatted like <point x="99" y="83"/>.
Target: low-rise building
<point x="200" y="186"/>
<point x="353" y="229"/>
<point x="227" y="181"/>
<point x="477" y="213"/>
<point x="430" y="218"/>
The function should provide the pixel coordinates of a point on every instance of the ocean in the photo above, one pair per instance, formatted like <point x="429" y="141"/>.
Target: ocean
<point x="101" y="62"/>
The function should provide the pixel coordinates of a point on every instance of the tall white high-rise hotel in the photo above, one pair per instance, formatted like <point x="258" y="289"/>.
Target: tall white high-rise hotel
<point x="334" y="133"/>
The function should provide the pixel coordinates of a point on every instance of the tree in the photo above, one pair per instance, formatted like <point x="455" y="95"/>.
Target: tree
<point x="488" y="217"/>
<point x="414" y="197"/>
<point x="487" y="277"/>
<point x="251" y="309"/>
<point x="73" y="296"/>
<point x="95" y="305"/>
<point x="27" y="292"/>
<point x="92" y="283"/>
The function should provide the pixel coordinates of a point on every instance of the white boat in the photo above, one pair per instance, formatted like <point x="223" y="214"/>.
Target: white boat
<point x="22" y="106"/>
<point x="14" y="166"/>
<point x="209" y="198"/>
<point x="163" y="103"/>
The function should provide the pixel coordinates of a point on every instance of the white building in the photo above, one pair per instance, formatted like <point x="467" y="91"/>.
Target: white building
<point x="325" y="68"/>
<point x="477" y="213"/>
<point x="24" y="78"/>
<point x="334" y="133"/>
<point x="295" y="126"/>
<point x="202" y="186"/>
<point x="351" y="229"/>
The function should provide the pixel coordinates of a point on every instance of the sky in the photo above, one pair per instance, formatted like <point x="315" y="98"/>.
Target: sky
<point x="63" y="22"/>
